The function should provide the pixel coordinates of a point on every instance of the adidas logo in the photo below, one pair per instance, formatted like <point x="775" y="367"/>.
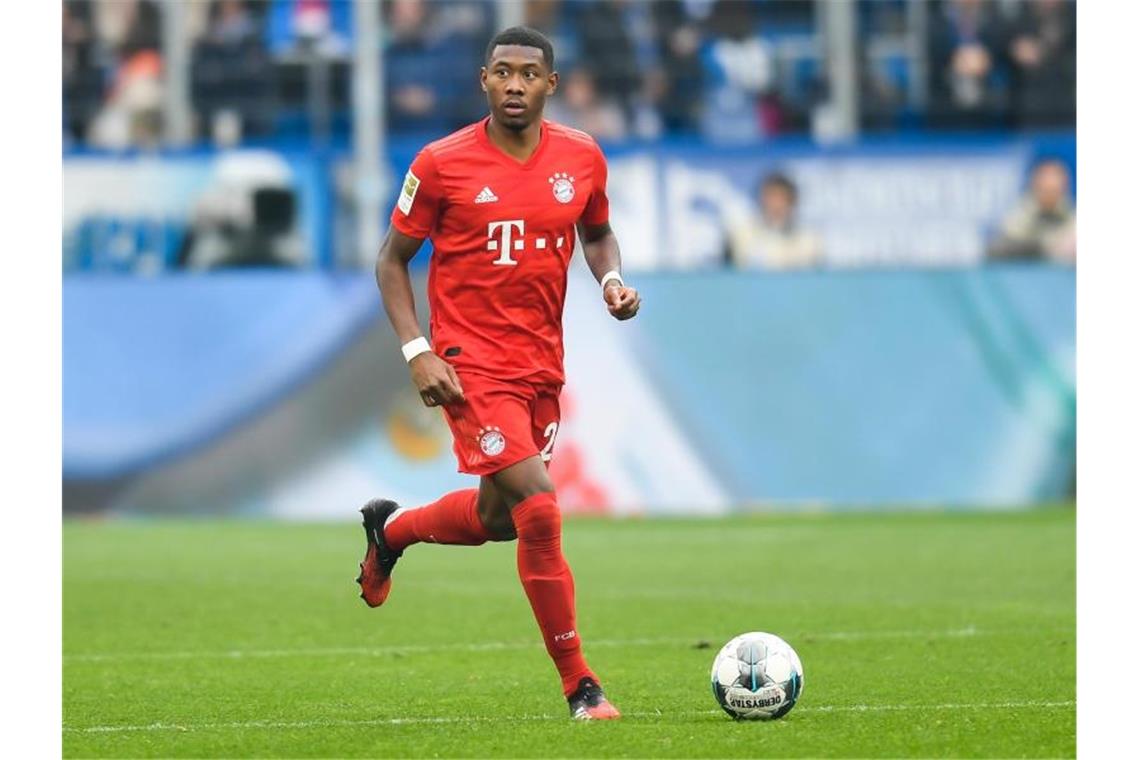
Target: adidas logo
<point x="486" y="196"/>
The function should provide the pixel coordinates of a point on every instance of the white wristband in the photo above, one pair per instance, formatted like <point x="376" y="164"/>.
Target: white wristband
<point x="415" y="347"/>
<point x="613" y="274"/>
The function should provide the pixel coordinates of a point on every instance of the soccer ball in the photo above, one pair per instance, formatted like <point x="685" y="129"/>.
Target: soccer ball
<point x="757" y="676"/>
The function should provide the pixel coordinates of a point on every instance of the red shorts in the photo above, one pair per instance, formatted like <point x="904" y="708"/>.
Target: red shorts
<point x="502" y="423"/>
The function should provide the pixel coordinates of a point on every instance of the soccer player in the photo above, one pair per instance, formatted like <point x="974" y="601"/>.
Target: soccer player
<point x="503" y="201"/>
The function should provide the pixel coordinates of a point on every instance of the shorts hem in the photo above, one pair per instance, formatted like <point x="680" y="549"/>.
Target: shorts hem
<point x="490" y="468"/>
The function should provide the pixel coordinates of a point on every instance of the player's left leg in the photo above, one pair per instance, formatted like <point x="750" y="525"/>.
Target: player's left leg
<point x="469" y="517"/>
<point x="527" y="489"/>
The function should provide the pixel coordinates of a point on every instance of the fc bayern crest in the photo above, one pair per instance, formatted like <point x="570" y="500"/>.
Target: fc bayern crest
<point x="563" y="186"/>
<point x="491" y="441"/>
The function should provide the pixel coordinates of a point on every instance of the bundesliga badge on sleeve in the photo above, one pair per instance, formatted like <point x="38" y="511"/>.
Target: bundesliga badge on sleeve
<point x="408" y="193"/>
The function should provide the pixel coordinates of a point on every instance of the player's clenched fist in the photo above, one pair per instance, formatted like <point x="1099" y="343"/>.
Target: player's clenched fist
<point x="436" y="380"/>
<point x="623" y="302"/>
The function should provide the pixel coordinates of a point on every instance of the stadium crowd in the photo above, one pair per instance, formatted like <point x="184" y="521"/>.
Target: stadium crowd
<point x="723" y="71"/>
<point x="727" y="70"/>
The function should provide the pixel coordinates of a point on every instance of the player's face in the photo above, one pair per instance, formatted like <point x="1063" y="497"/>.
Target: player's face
<point x="517" y="84"/>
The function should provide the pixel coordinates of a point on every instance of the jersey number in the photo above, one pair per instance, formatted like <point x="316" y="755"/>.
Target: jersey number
<point x="551" y="433"/>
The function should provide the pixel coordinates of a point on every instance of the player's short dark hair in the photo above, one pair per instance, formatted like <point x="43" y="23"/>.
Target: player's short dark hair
<point x="525" y="36"/>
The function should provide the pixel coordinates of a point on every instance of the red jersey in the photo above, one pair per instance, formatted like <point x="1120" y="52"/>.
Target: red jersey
<point x="503" y="233"/>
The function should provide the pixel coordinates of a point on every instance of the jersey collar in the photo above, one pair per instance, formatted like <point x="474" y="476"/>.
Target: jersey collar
<point x="485" y="139"/>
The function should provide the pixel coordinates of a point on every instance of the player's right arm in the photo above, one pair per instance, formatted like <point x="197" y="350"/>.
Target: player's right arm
<point x="414" y="216"/>
<point x="434" y="378"/>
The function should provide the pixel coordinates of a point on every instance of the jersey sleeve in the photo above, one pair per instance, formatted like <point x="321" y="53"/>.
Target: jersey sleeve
<point x="417" y="207"/>
<point x="597" y="209"/>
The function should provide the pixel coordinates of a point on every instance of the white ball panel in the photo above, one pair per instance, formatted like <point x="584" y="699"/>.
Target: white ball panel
<point x="726" y="670"/>
<point x="778" y="666"/>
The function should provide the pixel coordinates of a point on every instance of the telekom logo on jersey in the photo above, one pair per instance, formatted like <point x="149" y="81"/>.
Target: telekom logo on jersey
<point x="507" y="236"/>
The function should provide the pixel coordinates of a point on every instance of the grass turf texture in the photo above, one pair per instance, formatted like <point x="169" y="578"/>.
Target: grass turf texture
<point x="921" y="635"/>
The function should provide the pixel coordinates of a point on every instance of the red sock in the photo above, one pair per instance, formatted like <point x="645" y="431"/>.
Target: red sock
<point x="549" y="585"/>
<point x="454" y="519"/>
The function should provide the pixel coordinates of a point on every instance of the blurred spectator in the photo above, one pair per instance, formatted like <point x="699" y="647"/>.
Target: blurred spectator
<point x="1044" y="223"/>
<point x="1043" y="48"/>
<point x="966" y="65"/>
<point x="738" y="69"/>
<point x="424" y="68"/>
<point x="323" y="26"/>
<point x="552" y="19"/>
<point x="607" y="52"/>
<point x="466" y="25"/>
<point x="788" y="15"/>
<point x="679" y="36"/>
<point x="542" y="15"/>
<point x="638" y="19"/>
<point x="310" y="44"/>
<point x="231" y="73"/>
<point x="579" y="105"/>
<point x="82" y="77"/>
<point x="132" y="112"/>
<point x="772" y="237"/>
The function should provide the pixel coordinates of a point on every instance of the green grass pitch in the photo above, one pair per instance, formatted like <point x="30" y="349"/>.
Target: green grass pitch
<point x="932" y="634"/>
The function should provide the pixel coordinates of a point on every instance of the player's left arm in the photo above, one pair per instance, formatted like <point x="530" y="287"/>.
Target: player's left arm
<point x="600" y="245"/>
<point x="603" y="255"/>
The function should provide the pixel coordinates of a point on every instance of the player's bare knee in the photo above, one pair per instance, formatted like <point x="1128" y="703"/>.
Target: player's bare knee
<point x="494" y="513"/>
<point x="525" y="491"/>
<point x="503" y="529"/>
<point x="496" y="518"/>
<point x="521" y="481"/>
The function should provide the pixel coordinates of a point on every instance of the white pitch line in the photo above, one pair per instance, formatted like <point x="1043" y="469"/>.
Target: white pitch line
<point x="953" y="633"/>
<point x="308" y="723"/>
<point x="492" y="646"/>
<point x="237" y="654"/>
<point x="961" y="706"/>
<point x="302" y="724"/>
